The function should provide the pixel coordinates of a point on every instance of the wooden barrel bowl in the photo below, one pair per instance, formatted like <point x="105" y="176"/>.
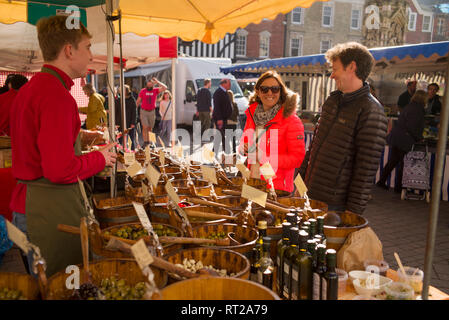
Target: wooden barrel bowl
<point x="196" y="222"/>
<point x="296" y="202"/>
<point x="245" y="235"/>
<point x="336" y="236"/>
<point x="232" y="261"/>
<point x="238" y="182"/>
<point x="217" y="288"/>
<point x="126" y="269"/>
<point x="102" y="252"/>
<point x="182" y="187"/>
<point x="158" y="212"/>
<point x="19" y="281"/>
<point x="114" y="211"/>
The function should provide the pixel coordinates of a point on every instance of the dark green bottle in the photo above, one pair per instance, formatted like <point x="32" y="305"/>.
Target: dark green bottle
<point x="256" y="252"/>
<point x="318" y="239"/>
<point x="312" y="228"/>
<point x="320" y="228"/>
<point x="302" y="270"/>
<point x="330" y="283"/>
<point x="288" y="256"/>
<point x="306" y="226"/>
<point x="282" y="245"/>
<point x="292" y="218"/>
<point x="311" y="248"/>
<point x="319" y="271"/>
<point x="266" y="266"/>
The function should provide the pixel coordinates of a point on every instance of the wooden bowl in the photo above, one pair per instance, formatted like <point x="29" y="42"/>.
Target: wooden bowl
<point x="232" y="261"/>
<point x="182" y="187"/>
<point x="126" y="269"/>
<point x="245" y="235"/>
<point x="196" y="222"/>
<point x="336" y="236"/>
<point x="217" y="288"/>
<point x="296" y="202"/>
<point x="20" y="281"/>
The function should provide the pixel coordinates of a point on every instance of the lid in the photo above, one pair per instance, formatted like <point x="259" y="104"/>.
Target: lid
<point x="262" y="224"/>
<point x="266" y="240"/>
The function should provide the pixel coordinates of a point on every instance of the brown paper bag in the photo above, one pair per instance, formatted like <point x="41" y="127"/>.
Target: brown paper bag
<point x="359" y="246"/>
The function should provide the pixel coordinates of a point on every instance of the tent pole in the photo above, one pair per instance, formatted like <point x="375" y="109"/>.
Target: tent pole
<point x="173" y="88"/>
<point x="110" y="67"/>
<point x="122" y="87"/>
<point x="436" y="189"/>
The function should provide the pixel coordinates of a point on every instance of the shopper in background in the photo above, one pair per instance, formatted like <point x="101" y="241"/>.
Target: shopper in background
<point x="165" y="111"/>
<point x="130" y="115"/>
<point x="404" y="134"/>
<point x="96" y="114"/>
<point x="204" y="105"/>
<point x="16" y="81"/>
<point x="404" y="98"/>
<point x="233" y="120"/>
<point x="273" y="132"/>
<point x="221" y="113"/>
<point x="342" y="161"/>
<point x="46" y="146"/>
<point x="433" y="103"/>
<point x="6" y="85"/>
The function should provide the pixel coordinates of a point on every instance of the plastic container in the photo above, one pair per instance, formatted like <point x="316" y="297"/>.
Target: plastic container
<point x="376" y="287"/>
<point x="342" y="280"/>
<point x="375" y="266"/>
<point x="414" y="277"/>
<point x="399" y="291"/>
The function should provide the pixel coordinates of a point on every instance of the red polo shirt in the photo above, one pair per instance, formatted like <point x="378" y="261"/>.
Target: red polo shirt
<point x="6" y="100"/>
<point x="44" y="127"/>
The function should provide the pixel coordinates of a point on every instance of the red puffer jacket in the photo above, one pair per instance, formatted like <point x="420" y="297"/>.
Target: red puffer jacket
<point x="282" y="144"/>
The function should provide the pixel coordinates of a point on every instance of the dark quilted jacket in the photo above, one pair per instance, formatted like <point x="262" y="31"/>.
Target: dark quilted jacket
<point x="346" y="149"/>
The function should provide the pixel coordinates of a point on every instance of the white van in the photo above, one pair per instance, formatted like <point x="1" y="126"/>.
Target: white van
<point x="190" y="75"/>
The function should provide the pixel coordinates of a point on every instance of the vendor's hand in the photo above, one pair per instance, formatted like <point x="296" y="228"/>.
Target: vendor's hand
<point x="109" y="157"/>
<point x="219" y="124"/>
<point x="197" y="113"/>
<point x="154" y="80"/>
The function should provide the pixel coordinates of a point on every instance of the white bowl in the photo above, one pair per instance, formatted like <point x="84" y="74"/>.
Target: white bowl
<point x="358" y="274"/>
<point x="380" y="283"/>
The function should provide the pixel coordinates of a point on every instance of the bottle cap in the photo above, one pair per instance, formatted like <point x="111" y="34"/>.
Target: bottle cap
<point x="266" y="239"/>
<point x="262" y="224"/>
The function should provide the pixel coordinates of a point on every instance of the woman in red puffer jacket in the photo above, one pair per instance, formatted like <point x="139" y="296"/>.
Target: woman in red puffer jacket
<point x="272" y="123"/>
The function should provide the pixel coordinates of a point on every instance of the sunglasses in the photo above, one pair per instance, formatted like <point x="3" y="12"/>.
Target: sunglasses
<point x="274" y="89"/>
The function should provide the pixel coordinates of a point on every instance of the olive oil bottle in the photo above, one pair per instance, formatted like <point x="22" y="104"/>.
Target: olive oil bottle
<point x="256" y="252"/>
<point x="282" y="245"/>
<point x="312" y="228"/>
<point x="320" y="229"/>
<point x="311" y="248"/>
<point x="319" y="271"/>
<point x="266" y="266"/>
<point x="288" y="256"/>
<point x="330" y="282"/>
<point x="302" y="270"/>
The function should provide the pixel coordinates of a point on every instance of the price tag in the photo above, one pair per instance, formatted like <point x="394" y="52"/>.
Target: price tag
<point x="243" y="170"/>
<point x="177" y="150"/>
<point x="152" y="174"/>
<point x="130" y="157"/>
<point x="152" y="137"/>
<point x="267" y="171"/>
<point x="143" y="217"/>
<point x="129" y="143"/>
<point x="208" y="154"/>
<point x="300" y="185"/>
<point x="144" y="189"/>
<point x="162" y="157"/>
<point x="254" y="194"/>
<point x="141" y="254"/>
<point x="147" y="154"/>
<point x="17" y="236"/>
<point x="133" y="169"/>
<point x="161" y="142"/>
<point x="209" y="174"/>
<point x="106" y="135"/>
<point x="83" y="193"/>
<point x="171" y="193"/>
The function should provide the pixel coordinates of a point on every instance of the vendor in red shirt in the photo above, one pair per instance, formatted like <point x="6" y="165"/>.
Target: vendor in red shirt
<point x="46" y="152"/>
<point x="6" y="99"/>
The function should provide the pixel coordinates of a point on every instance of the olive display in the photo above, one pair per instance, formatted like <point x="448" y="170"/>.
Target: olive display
<point x="11" y="294"/>
<point x="194" y="266"/>
<point x="136" y="232"/>
<point x="219" y="235"/>
<point x="115" y="289"/>
<point x="87" y="291"/>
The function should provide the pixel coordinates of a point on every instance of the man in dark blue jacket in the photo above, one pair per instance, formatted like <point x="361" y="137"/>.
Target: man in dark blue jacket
<point x="222" y="112"/>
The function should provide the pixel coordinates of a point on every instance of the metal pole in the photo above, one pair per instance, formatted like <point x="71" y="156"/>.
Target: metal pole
<point x="122" y="87"/>
<point x="436" y="189"/>
<point x="110" y="68"/>
<point x="173" y="88"/>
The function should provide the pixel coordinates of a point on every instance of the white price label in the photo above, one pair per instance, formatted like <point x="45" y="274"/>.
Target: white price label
<point x="208" y="154"/>
<point x="267" y="171"/>
<point x="133" y="169"/>
<point x="171" y="193"/>
<point x="209" y="174"/>
<point x="243" y="170"/>
<point x="141" y="254"/>
<point x="300" y="185"/>
<point x="17" y="236"/>
<point x="152" y="174"/>
<point x="162" y="157"/>
<point x="143" y="217"/>
<point x="254" y="194"/>
<point x="130" y="157"/>
<point x="152" y="137"/>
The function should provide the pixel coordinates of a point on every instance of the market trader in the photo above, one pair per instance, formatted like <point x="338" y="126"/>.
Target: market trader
<point x="350" y="136"/>
<point x="46" y="146"/>
<point x="404" y="98"/>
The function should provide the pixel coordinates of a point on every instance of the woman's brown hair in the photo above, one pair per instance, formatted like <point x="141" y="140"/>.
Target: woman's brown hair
<point x="262" y="78"/>
<point x="420" y="97"/>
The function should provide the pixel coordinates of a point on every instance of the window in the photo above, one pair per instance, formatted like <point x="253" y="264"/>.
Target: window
<point x="440" y="27"/>
<point x="264" y="44"/>
<point x="327" y="16"/>
<point x="240" y="43"/>
<point x="298" y="16"/>
<point x="296" y="46"/>
<point x="412" y="21"/>
<point x="426" y="25"/>
<point x="355" y="19"/>
<point x="190" y="91"/>
<point x="325" y="45"/>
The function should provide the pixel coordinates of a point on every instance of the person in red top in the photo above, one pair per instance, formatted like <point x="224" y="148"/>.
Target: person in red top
<point x="273" y="132"/>
<point x="46" y="152"/>
<point x="6" y="99"/>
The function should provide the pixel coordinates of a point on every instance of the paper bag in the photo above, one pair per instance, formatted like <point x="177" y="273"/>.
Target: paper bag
<point x="359" y="246"/>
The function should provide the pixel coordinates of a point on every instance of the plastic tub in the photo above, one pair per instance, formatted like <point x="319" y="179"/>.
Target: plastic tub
<point x="342" y="280"/>
<point x="414" y="277"/>
<point x="375" y="266"/>
<point x="399" y="291"/>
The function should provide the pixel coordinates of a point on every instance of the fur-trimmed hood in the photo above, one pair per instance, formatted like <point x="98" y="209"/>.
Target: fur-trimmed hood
<point x="290" y="105"/>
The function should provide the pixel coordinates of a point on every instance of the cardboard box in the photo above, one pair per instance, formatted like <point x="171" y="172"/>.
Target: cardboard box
<point x="5" y="158"/>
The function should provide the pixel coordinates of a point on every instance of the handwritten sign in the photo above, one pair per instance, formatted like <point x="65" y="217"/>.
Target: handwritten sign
<point x="267" y="171"/>
<point x="130" y="157"/>
<point x="254" y="194"/>
<point x="141" y="254"/>
<point x="209" y="174"/>
<point x="133" y="169"/>
<point x="129" y="143"/>
<point x="171" y="193"/>
<point x="17" y="236"/>
<point x="300" y="185"/>
<point x="152" y="174"/>
<point x="147" y="154"/>
<point x="243" y="170"/>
